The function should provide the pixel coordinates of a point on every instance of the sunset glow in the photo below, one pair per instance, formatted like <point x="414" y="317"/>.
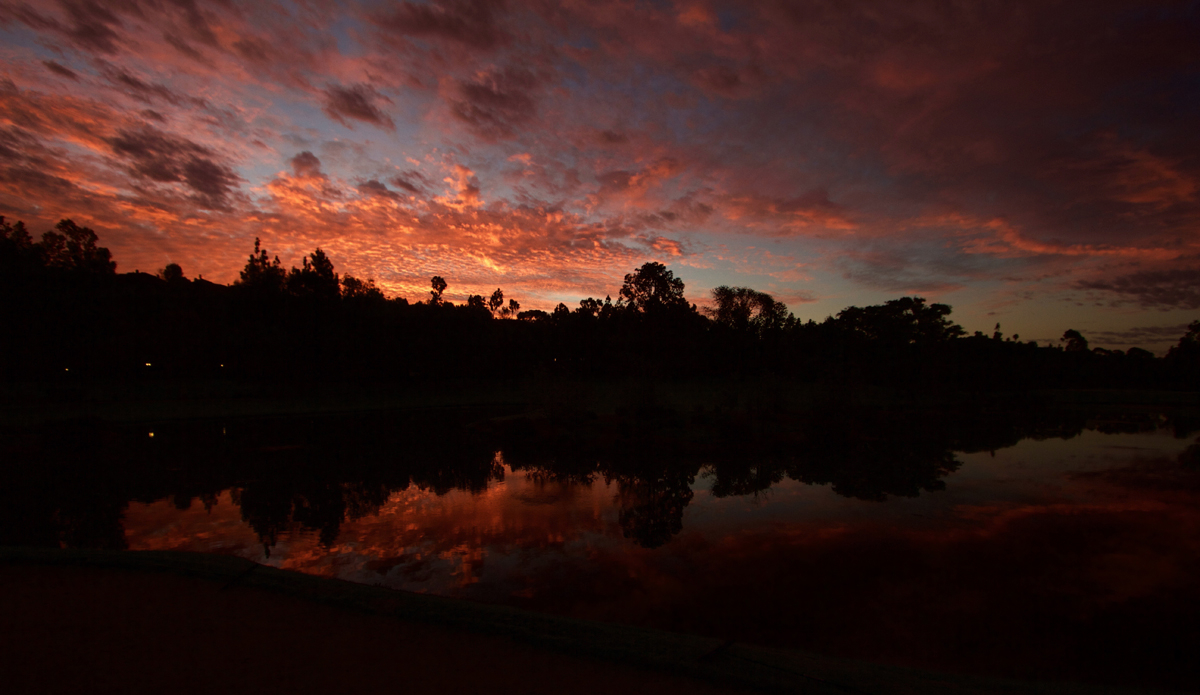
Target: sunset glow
<point x="1031" y="164"/>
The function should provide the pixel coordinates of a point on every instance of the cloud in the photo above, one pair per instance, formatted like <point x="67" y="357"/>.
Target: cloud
<point x="496" y="103"/>
<point x="406" y="179"/>
<point x="140" y="89"/>
<point x="895" y="271"/>
<point x="60" y="69"/>
<point x="1175" y="288"/>
<point x="662" y="245"/>
<point x="164" y="158"/>
<point x="357" y="103"/>
<point x="907" y="147"/>
<point x="87" y="24"/>
<point x="1162" y="336"/>
<point x="306" y="164"/>
<point x="807" y="212"/>
<point x="375" y="188"/>
<point x="472" y="23"/>
<point x="612" y="137"/>
<point x="26" y="164"/>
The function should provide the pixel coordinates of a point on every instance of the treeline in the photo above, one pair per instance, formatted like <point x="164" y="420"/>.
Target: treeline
<point x="68" y="315"/>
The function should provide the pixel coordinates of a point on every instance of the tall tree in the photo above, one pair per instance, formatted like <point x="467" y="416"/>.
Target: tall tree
<point x="496" y="302"/>
<point x="72" y="247"/>
<point x="172" y="273"/>
<point x="652" y="289"/>
<point x="1075" y="341"/>
<point x="316" y="279"/>
<point x="904" y="321"/>
<point x="261" y="273"/>
<point x="1187" y="351"/>
<point x="17" y="249"/>
<point x="744" y="309"/>
<point x="439" y="286"/>
<point x="353" y="288"/>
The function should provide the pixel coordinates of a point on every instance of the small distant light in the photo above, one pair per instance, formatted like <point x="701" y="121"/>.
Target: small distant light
<point x="66" y="370"/>
<point x="151" y="434"/>
<point x="147" y="364"/>
<point x="222" y="365"/>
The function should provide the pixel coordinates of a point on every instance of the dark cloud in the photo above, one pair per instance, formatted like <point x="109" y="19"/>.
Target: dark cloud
<point x="406" y="179"/>
<point x="1142" y="334"/>
<point x="893" y="271"/>
<point x="1177" y="288"/>
<point x="497" y="103"/>
<point x="140" y="89"/>
<point x="60" y="69"/>
<point x="30" y="174"/>
<point x="164" y="158"/>
<point x="198" y="28"/>
<point x="358" y="103"/>
<point x="614" y="180"/>
<point x="375" y="188"/>
<point x="611" y="137"/>
<point x="808" y="202"/>
<point x="253" y="50"/>
<point x="47" y="184"/>
<point x="722" y="80"/>
<point x="306" y="164"/>
<point x="90" y="26"/>
<point x="20" y="146"/>
<point x="13" y="141"/>
<point x="153" y="115"/>
<point x="469" y="22"/>
<point x="185" y="48"/>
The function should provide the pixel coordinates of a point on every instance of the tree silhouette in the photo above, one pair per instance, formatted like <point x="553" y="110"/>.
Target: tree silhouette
<point x="1075" y="341"/>
<point x="904" y="321"/>
<point x="478" y="305"/>
<point x="652" y="506"/>
<point x="353" y="288"/>
<point x="64" y="309"/>
<point x="15" y="244"/>
<point x="594" y="308"/>
<point x="261" y="273"/>
<point x="744" y="309"/>
<point x="1183" y="360"/>
<point x="511" y="311"/>
<point x="316" y="278"/>
<point x="172" y="273"/>
<point x="1189" y="344"/>
<point x="74" y="248"/>
<point x="439" y="286"/>
<point x="652" y="288"/>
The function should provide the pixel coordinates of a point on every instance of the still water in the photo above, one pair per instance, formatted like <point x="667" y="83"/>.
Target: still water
<point x="1062" y="547"/>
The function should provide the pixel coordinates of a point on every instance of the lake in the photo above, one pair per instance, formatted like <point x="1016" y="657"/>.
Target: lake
<point x="1027" y="543"/>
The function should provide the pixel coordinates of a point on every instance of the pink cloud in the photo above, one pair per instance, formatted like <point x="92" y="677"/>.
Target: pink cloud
<point x="901" y="146"/>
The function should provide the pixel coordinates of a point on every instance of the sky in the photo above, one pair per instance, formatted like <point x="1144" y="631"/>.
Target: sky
<point x="1032" y="164"/>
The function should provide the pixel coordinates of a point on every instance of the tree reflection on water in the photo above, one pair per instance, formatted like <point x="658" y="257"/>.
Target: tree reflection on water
<point x="1093" y="578"/>
<point x="68" y="485"/>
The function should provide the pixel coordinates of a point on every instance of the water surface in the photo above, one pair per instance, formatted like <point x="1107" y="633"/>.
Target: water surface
<point x="1064" y="547"/>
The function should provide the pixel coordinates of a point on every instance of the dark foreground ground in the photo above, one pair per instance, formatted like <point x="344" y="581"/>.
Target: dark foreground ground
<point x="134" y="622"/>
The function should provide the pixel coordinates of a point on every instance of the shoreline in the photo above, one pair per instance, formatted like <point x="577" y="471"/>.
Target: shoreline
<point x="30" y="405"/>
